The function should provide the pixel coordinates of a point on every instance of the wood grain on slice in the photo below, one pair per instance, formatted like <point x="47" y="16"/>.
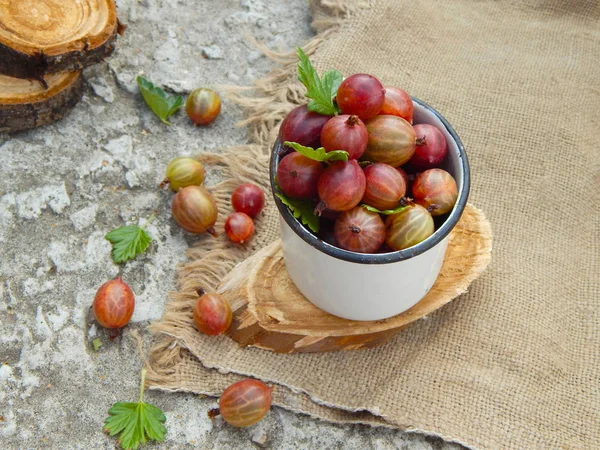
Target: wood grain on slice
<point x="26" y="104"/>
<point x="269" y="311"/>
<point x="47" y="36"/>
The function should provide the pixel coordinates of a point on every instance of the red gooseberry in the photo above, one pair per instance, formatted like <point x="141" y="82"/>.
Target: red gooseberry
<point x="347" y="133"/>
<point x="431" y="147"/>
<point x="362" y="95"/>
<point x="397" y="103"/>
<point x="297" y="176"/>
<point x="239" y="227"/>
<point x="212" y="314"/>
<point x="341" y="187"/>
<point x="248" y="199"/>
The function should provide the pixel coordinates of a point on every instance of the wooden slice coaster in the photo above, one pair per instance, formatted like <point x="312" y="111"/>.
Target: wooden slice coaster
<point x="27" y="104"/>
<point x="269" y="311"/>
<point x="47" y="36"/>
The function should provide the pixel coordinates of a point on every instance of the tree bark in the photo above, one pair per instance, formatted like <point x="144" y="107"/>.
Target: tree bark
<point x="26" y="104"/>
<point x="40" y="37"/>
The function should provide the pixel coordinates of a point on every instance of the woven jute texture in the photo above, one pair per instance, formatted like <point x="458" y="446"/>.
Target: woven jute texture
<point x="515" y="362"/>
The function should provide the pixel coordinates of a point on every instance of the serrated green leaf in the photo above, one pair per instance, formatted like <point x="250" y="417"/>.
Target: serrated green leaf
<point x="303" y="210"/>
<point x="164" y="105"/>
<point x="321" y="91"/>
<point x="318" y="154"/>
<point x="387" y="212"/>
<point x="96" y="343"/>
<point x="128" y="242"/>
<point x="135" y="423"/>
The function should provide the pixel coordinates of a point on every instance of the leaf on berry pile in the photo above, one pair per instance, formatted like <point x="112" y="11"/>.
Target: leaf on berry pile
<point x="164" y="105"/>
<point x="301" y="209"/>
<point x="387" y="212"/>
<point x="322" y="90"/>
<point x="135" y="423"/>
<point x="319" y="154"/>
<point x="128" y="242"/>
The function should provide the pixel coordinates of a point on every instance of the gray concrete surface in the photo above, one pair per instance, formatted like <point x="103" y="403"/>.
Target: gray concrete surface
<point x="63" y="187"/>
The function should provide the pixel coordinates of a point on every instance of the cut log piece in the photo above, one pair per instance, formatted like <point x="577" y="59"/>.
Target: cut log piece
<point x="26" y="104"/>
<point x="39" y="37"/>
<point x="269" y="311"/>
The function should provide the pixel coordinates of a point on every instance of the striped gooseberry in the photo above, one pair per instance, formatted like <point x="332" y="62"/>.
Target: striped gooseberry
<point x="359" y="230"/>
<point x="182" y="172"/>
<point x="195" y="210"/>
<point x="435" y="189"/>
<point x="244" y="403"/>
<point x="113" y="304"/>
<point x="385" y="186"/>
<point x="409" y="227"/>
<point x="392" y="140"/>
<point x="203" y="106"/>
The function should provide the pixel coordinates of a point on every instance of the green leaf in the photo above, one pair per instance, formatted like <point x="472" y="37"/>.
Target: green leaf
<point x="387" y="212"/>
<point x="320" y="90"/>
<point x="96" y="343"/>
<point x="135" y="423"/>
<point x="303" y="210"/>
<point x="128" y="242"/>
<point x="164" y="105"/>
<point x="319" y="154"/>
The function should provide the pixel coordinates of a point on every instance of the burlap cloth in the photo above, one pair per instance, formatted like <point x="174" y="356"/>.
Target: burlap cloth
<point x="515" y="362"/>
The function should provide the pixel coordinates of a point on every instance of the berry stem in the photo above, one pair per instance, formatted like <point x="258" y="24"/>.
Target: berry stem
<point x="143" y="385"/>
<point x="212" y="232"/>
<point x="321" y="206"/>
<point x="406" y="201"/>
<point x="114" y="333"/>
<point x="212" y="413"/>
<point x="352" y="120"/>
<point x="200" y="292"/>
<point x="164" y="183"/>
<point x="151" y="218"/>
<point x="354" y="228"/>
<point x="421" y="140"/>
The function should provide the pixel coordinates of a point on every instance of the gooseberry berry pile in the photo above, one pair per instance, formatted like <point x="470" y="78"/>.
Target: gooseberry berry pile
<point x="375" y="182"/>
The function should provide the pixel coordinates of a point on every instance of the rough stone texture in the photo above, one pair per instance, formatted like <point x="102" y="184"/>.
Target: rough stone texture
<point x="65" y="186"/>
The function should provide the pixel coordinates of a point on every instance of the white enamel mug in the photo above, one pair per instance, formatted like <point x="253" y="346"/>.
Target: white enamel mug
<point x="360" y="286"/>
